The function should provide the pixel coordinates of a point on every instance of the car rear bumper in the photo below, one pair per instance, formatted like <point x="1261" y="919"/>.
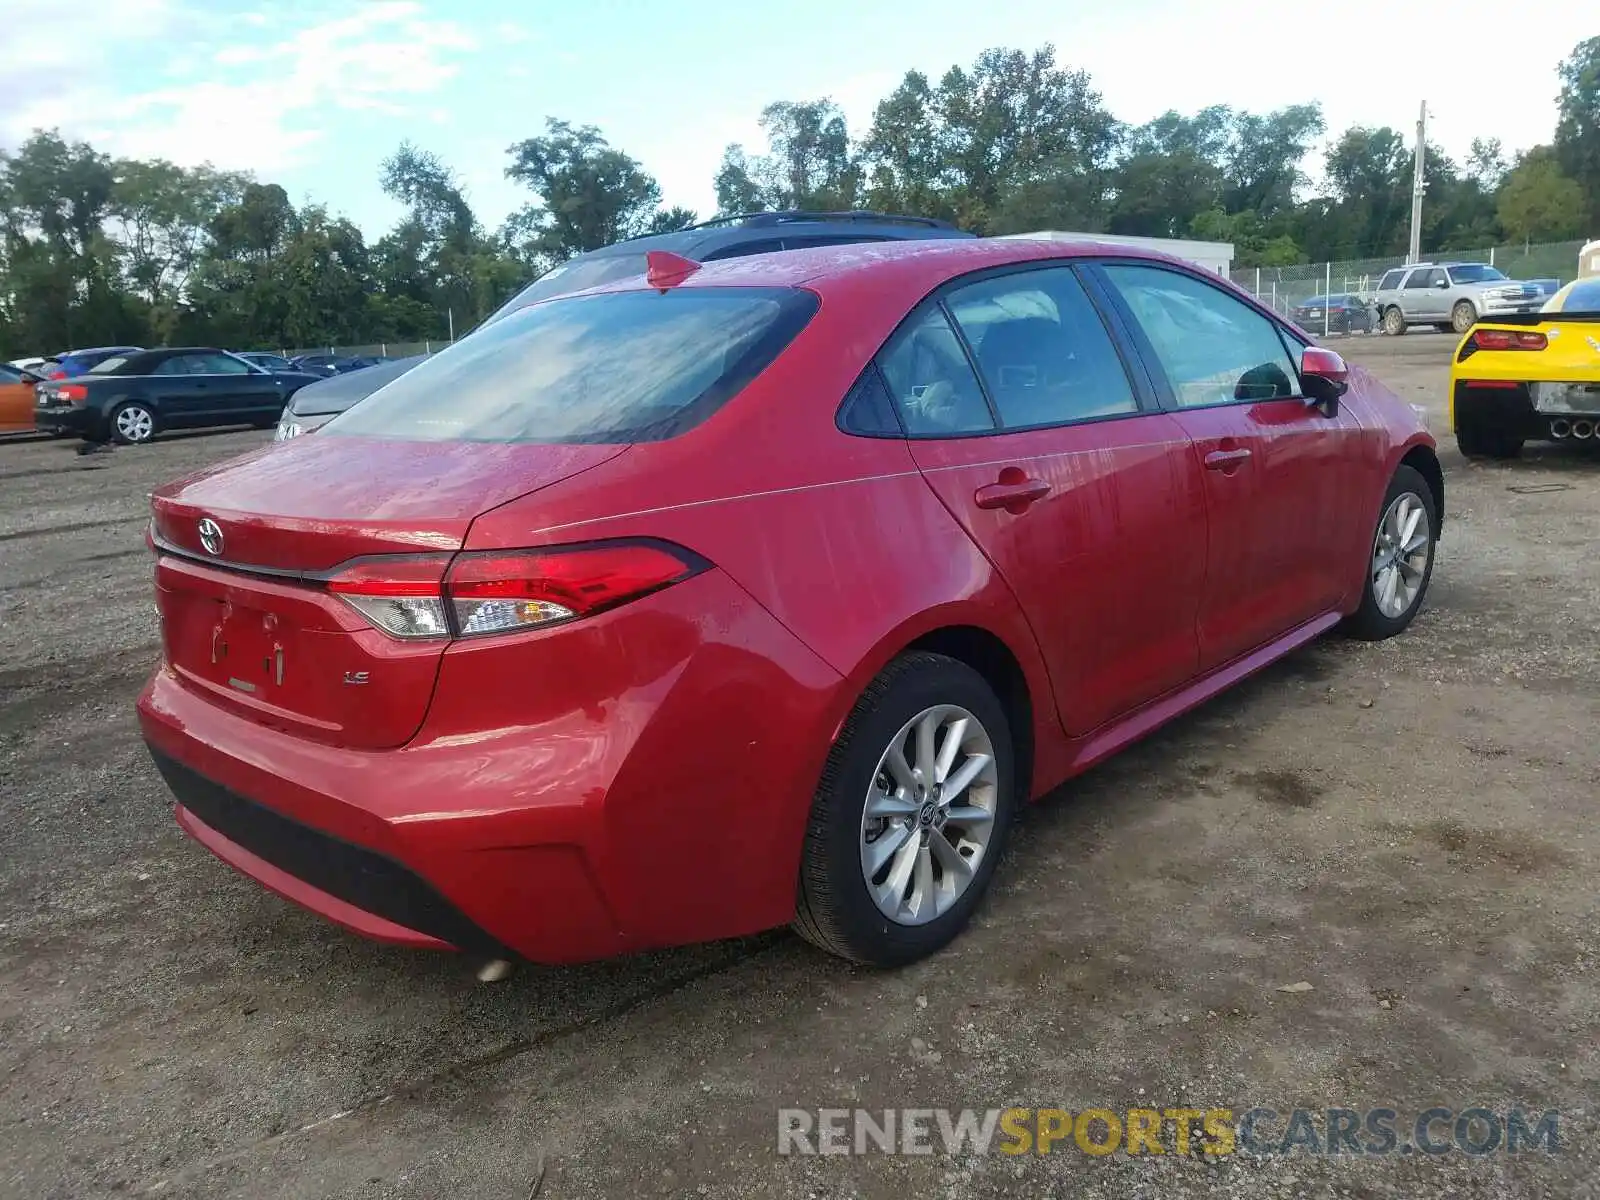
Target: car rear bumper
<point x="669" y="807"/>
<point x="84" y="422"/>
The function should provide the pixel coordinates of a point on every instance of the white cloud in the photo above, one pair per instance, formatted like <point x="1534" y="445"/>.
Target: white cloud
<point x="265" y="106"/>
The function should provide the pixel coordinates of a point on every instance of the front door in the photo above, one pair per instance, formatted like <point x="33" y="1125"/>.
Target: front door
<point x="1087" y="501"/>
<point x="1278" y="481"/>
<point x="228" y="389"/>
<point x="1423" y="298"/>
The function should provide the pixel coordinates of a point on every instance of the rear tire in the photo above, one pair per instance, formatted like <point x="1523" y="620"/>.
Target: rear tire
<point x="1463" y="316"/>
<point x="1397" y="580"/>
<point x="1394" y="322"/>
<point x="1477" y="436"/>
<point x="132" y="424"/>
<point x="871" y="918"/>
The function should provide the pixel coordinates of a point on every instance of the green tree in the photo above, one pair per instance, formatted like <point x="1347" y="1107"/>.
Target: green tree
<point x="1577" y="141"/>
<point x="1538" y="202"/>
<point x="161" y="213"/>
<point x="737" y="191"/>
<point x="810" y="163"/>
<point x="589" y="193"/>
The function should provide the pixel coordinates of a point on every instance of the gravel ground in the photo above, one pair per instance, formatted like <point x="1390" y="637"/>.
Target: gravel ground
<point x="1405" y="827"/>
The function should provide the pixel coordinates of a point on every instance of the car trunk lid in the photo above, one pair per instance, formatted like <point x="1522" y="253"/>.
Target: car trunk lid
<point x="245" y="552"/>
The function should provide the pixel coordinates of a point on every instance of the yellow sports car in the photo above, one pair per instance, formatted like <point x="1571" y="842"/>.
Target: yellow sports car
<point x="1529" y="376"/>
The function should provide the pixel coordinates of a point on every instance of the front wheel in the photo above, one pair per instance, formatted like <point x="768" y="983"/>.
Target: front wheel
<point x="1463" y="316"/>
<point x="911" y="817"/>
<point x="1402" y="558"/>
<point x="133" y="424"/>
<point x="1394" y="323"/>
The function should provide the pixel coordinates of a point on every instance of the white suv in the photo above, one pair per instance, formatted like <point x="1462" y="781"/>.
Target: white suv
<point x="1450" y="296"/>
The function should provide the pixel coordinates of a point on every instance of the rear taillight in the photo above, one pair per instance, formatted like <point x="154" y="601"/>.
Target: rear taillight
<point x="74" y="393"/>
<point x="1507" y="339"/>
<point x="400" y="595"/>
<point x="507" y="591"/>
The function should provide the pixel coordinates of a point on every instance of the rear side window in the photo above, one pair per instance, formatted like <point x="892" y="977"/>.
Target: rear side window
<point x="931" y="381"/>
<point x="745" y="249"/>
<point x="612" y="367"/>
<point x="1042" y="349"/>
<point x="1214" y="348"/>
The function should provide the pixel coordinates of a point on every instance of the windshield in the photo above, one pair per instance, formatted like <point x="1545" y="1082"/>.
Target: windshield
<point x="108" y="366"/>
<point x="1474" y="273"/>
<point x="578" y="275"/>
<point x="1583" y="298"/>
<point x="614" y="367"/>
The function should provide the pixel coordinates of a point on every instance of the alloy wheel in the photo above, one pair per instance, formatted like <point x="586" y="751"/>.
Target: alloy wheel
<point x="136" y="424"/>
<point x="1400" y="554"/>
<point x="929" y="814"/>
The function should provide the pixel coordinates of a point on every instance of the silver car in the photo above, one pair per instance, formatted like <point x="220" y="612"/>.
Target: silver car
<point x="1451" y="296"/>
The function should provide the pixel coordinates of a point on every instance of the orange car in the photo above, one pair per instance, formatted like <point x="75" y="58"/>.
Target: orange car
<point x="16" y="401"/>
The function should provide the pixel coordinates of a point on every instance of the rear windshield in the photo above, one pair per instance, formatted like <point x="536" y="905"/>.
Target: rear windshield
<point x="578" y="275"/>
<point x="613" y="367"/>
<point x="1473" y="273"/>
<point x="108" y="366"/>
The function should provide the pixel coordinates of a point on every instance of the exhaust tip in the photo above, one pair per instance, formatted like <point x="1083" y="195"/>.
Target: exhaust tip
<point x="1582" y="429"/>
<point x="1560" y="429"/>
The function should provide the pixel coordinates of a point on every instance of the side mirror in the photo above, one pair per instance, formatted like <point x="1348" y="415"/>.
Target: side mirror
<point x="30" y="377"/>
<point x="1325" y="378"/>
<point x="1443" y="283"/>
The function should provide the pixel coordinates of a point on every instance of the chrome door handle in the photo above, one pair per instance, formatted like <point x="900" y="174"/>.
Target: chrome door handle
<point x="1226" y="460"/>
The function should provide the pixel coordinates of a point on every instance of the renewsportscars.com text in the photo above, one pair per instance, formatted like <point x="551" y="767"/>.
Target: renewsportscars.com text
<point x="1475" y="1130"/>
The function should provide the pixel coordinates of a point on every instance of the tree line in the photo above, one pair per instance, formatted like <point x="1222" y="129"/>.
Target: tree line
<point x="100" y="250"/>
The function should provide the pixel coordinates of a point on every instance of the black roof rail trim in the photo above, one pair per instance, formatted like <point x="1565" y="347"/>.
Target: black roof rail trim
<point x="795" y="215"/>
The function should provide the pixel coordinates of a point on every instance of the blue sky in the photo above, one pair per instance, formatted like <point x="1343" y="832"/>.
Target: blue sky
<point x="313" y="96"/>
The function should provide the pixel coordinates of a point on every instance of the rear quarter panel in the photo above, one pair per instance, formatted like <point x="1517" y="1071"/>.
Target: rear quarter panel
<point x="838" y="537"/>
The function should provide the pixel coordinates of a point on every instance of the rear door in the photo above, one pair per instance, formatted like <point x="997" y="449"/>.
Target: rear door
<point x="1422" y="299"/>
<point x="1279" y="475"/>
<point x="1086" y="499"/>
<point x="173" y="388"/>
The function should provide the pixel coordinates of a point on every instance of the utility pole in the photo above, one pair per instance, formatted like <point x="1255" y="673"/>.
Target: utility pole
<point x="1418" y="184"/>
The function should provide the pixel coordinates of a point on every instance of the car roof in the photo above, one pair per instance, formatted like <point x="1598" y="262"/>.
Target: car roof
<point x="915" y="263"/>
<point x="712" y="236"/>
<point x="97" y="350"/>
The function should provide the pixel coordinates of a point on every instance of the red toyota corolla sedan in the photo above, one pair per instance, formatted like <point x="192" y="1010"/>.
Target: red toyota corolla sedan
<point x="761" y="592"/>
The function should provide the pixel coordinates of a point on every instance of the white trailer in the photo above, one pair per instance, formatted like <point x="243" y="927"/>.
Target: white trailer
<point x="1216" y="257"/>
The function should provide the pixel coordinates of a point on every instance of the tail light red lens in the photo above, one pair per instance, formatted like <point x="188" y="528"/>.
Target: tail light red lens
<point x="503" y="592"/>
<point x="76" y="393"/>
<point x="1508" y="339"/>
<point x="497" y="593"/>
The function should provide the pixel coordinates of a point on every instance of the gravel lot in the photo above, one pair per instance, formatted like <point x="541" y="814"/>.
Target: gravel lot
<point x="1405" y="826"/>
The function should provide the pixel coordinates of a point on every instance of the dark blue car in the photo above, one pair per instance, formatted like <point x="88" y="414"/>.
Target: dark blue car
<point x="72" y="363"/>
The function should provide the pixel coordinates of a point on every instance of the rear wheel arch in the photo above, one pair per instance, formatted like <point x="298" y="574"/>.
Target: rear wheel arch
<point x="989" y="655"/>
<point x="1425" y="462"/>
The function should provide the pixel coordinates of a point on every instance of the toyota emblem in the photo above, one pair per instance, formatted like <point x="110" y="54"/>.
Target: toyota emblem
<point x="210" y="536"/>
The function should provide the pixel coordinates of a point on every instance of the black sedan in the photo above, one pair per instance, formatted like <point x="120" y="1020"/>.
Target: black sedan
<point x="129" y="398"/>
<point x="1333" y="314"/>
<point x="329" y="365"/>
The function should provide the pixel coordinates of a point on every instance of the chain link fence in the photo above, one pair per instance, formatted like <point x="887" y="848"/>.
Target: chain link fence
<point x="1284" y="288"/>
<point x="364" y="350"/>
